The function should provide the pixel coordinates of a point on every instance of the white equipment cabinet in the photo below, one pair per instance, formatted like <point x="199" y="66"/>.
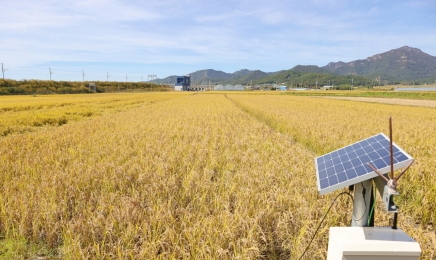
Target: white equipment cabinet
<point x="366" y="243"/>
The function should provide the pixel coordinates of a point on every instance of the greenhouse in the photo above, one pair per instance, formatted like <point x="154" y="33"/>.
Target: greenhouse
<point x="229" y="87"/>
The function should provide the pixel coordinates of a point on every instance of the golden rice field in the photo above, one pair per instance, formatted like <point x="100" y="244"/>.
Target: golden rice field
<point x="19" y="114"/>
<point x="192" y="176"/>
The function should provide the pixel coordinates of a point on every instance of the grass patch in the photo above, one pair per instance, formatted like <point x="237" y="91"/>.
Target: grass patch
<point x="20" y="248"/>
<point x="373" y="93"/>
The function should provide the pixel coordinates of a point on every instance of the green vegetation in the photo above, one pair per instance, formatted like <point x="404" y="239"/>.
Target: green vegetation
<point x="308" y="79"/>
<point x="299" y="76"/>
<point x="246" y="78"/>
<point x="371" y="93"/>
<point x="20" y="248"/>
<point x="23" y="87"/>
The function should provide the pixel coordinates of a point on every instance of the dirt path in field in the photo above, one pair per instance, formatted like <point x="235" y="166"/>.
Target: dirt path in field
<point x="394" y="101"/>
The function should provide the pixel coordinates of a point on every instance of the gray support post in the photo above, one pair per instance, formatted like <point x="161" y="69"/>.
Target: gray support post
<point x="380" y="183"/>
<point x="362" y="206"/>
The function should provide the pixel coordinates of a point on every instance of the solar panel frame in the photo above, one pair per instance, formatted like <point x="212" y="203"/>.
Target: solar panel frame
<point x="348" y="165"/>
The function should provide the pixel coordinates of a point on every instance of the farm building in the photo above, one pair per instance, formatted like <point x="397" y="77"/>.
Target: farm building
<point x="219" y="87"/>
<point x="282" y="88"/>
<point x="183" y="83"/>
<point x="229" y="87"/>
<point x="92" y="87"/>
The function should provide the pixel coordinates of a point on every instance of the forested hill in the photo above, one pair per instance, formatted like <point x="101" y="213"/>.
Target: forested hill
<point x="312" y="76"/>
<point x="304" y="76"/>
<point x="215" y="76"/>
<point x="405" y="63"/>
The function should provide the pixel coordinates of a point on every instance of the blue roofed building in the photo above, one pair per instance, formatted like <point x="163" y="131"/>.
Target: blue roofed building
<point x="183" y="83"/>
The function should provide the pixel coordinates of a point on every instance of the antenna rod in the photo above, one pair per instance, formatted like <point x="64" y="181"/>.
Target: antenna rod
<point x="391" y="147"/>
<point x="376" y="171"/>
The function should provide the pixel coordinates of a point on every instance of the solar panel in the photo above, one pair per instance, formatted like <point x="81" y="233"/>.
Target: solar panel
<point x="348" y="165"/>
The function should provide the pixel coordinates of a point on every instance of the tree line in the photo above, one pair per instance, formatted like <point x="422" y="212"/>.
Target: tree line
<point x="29" y="87"/>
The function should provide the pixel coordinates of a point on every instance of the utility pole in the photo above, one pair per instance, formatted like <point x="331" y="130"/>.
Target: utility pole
<point x="83" y="75"/>
<point x="107" y="76"/>
<point x="126" y="77"/>
<point x="151" y="78"/>
<point x="148" y="79"/>
<point x="49" y="69"/>
<point x="154" y="78"/>
<point x="3" y="71"/>
<point x="316" y="82"/>
<point x="352" y="83"/>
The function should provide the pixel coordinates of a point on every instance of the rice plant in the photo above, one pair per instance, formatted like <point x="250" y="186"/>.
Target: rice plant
<point x="181" y="176"/>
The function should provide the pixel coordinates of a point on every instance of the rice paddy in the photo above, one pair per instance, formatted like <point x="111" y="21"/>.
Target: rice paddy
<point x="192" y="176"/>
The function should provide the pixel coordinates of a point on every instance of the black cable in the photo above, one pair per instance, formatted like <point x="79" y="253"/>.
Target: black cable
<point x="325" y="215"/>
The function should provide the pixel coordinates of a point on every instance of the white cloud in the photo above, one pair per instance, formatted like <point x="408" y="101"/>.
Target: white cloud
<point x="269" y="35"/>
<point x="28" y="15"/>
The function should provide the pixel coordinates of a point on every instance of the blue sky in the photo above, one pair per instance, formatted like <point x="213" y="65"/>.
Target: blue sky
<point x="176" y="37"/>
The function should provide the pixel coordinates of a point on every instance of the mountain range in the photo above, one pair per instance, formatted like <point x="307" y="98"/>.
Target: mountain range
<point x="405" y="64"/>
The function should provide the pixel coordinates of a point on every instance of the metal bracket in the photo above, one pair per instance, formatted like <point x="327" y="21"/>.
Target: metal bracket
<point x="388" y="200"/>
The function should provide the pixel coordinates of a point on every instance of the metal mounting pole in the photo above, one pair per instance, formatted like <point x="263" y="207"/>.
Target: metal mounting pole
<point x="362" y="203"/>
<point x="394" y="224"/>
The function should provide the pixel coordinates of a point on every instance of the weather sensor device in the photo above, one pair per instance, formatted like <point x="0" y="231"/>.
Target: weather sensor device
<point x="359" y="165"/>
